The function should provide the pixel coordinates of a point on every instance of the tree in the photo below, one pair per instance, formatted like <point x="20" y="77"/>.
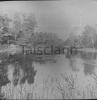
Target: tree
<point x="4" y="28"/>
<point x="29" y="25"/>
<point x="17" y="25"/>
<point x="88" y="37"/>
<point x="19" y="33"/>
<point x="46" y="39"/>
<point x="27" y="28"/>
<point x="73" y="41"/>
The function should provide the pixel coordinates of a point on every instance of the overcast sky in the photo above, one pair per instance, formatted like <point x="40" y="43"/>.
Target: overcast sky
<point x="56" y="16"/>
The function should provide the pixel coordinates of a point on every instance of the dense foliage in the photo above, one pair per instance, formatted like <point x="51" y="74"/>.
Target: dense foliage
<point x="16" y="32"/>
<point x="21" y="31"/>
<point x="87" y="38"/>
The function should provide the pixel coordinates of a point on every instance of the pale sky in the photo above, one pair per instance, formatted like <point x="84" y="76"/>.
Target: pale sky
<point x="56" y="16"/>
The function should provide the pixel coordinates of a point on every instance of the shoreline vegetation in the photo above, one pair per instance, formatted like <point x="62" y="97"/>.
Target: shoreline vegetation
<point x="21" y="46"/>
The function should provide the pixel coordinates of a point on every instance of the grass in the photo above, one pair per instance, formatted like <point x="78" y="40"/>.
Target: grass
<point x="69" y="90"/>
<point x="66" y="87"/>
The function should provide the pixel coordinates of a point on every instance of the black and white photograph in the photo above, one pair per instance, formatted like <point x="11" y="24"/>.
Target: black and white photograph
<point x="48" y="49"/>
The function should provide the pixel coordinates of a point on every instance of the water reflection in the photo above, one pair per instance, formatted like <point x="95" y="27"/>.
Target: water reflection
<point x="89" y="68"/>
<point x="88" y="61"/>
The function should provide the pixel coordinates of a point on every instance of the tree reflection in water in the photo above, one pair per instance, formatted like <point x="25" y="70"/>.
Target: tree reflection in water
<point x="20" y="62"/>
